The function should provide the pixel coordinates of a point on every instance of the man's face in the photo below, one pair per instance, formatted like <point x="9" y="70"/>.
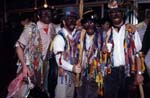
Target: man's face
<point x="45" y="16"/>
<point x="70" y="22"/>
<point x="90" y="27"/>
<point x="116" y="16"/>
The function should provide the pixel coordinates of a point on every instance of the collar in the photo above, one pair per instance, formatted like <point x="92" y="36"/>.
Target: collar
<point x="90" y="36"/>
<point x="41" y="25"/>
<point x="118" y="26"/>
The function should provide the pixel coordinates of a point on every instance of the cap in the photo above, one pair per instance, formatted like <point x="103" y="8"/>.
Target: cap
<point x="71" y="11"/>
<point x="88" y="15"/>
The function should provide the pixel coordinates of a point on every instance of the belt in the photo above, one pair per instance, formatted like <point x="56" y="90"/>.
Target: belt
<point x="118" y="67"/>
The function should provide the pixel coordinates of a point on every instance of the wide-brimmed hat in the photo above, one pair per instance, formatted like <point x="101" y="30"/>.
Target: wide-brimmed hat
<point x="114" y="5"/>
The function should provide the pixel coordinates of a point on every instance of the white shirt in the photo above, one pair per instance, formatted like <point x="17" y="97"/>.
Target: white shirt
<point x="118" y="52"/>
<point x="58" y="46"/>
<point x="89" y="41"/>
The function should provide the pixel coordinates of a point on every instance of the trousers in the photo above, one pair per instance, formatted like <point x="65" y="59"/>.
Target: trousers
<point x="64" y="88"/>
<point x="117" y="84"/>
<point x="89" y="89"/>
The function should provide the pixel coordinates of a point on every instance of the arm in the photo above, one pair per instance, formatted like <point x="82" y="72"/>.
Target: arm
<point x="20" y="46"/>
<point x="58" y="49"/>
<point x="20" y="52"/>
<point x="139" y="76"/>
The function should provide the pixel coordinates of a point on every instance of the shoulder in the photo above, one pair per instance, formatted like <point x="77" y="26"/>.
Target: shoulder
<point x="30" y="25"/>
<point x="58" y="43"/>
<point x="109" y="31"/>
<point x="59" y="38"/>
<point x="52" y="27"/>
<point x="140" y="25"/>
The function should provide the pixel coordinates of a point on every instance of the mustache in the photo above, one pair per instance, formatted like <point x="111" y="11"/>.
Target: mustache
<point x="116" y="16"/>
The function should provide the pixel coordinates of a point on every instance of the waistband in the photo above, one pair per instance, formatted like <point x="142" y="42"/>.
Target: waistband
<point x="118" y="67"/>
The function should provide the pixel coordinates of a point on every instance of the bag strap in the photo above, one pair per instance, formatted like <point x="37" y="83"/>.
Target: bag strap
<point x="63" y="36"/>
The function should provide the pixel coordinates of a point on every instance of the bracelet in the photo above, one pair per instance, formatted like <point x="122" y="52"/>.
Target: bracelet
<point x="137" y="55"/>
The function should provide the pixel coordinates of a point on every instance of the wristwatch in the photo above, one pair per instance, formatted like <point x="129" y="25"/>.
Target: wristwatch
<point x="139" y="72"/>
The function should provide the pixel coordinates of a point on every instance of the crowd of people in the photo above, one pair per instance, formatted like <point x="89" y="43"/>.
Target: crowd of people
<point x="93" y="60"/>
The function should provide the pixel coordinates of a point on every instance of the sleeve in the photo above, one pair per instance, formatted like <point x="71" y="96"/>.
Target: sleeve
<point x="138" y="43"/>
<point x="24" y="37"/>
<point x="139" y="27"/>
<point x="58" y="48"/>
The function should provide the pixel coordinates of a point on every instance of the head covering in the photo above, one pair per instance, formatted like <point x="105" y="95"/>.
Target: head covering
<point x="71" y="11"/>
<point x="115" y="5"/>
<point x="89" y="15"/>
<point x="40" y="9"/>
<point x="57" y="16"/>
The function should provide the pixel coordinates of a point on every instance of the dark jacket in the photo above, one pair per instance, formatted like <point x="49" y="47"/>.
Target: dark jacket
<point x="146" y="40"/>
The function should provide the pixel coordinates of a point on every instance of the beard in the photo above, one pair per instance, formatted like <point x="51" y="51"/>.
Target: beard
<point x="90" y="30"/>
<point x="70" y="27"/>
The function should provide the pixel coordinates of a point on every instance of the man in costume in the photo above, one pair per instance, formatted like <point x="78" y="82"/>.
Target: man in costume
<point x="63" y="47"/>
<point x="91" y="81"/>
<point x="31" y="48"/>
<point x="122" y="55"/>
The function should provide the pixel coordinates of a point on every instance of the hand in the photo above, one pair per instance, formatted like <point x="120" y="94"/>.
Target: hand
<point x="26" y="71"/>
<point x="139" y="79"/>
<point x="77" y="68"/>
<point x="104" y="49"/>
